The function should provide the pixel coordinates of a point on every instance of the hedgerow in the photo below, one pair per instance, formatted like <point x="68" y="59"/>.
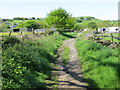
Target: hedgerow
<point x="28" y="63"/>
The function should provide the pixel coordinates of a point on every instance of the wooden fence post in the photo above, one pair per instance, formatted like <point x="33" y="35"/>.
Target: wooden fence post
<point x="112" y="37"/>
<point x="21" y="32"/>
<point x="10" y="33"/>
<point x="102" y="35"/>
<point x="33" y="31"/>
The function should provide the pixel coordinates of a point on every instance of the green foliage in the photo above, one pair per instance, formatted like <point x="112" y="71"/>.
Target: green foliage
<point x="100" y="64"/>
<point x="89" y="24"/>
<point x="23" y="18"/>
<point x="84" y="24"/>
<point x="71" y="34"/>
<point x="60" y="19"/>
<point x="104" y="24"/>
<point x="29" y="24"/>
<point x="3" y="27"/>
<point x="85" y="18"/>
<point x="115" y="23"/>
<point x="78" y="26"/>
<point x="10" y="41"/>
<point x="109" y="38"/>
<point x="92" y="25"/>
<point x="27" y="64"/>
<point x="65" y="55"/>
<point x="19" y="18"/>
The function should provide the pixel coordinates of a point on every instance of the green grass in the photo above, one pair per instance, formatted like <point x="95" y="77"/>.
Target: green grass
<point x="65" y="55"/>
<point x="13" y="34"/>
<point x="17" y="21"/>
<point x="72" y="34"/>
<point x="109" y="38"/>
<point x="100" y="64"/>
<point x="114" y="34"/>
<point x="28" y="63"/>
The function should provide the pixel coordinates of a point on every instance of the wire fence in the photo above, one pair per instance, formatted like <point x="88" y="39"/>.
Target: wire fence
<point x="111" y="36"/>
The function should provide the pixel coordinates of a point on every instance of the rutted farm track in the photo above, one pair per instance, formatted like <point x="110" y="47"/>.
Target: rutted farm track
<point x="69" y="76"/>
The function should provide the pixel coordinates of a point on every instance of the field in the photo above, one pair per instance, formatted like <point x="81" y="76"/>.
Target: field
<point x="109" y="34"/>
<point x="13" y="34"/>
<point x="15" y="21"/>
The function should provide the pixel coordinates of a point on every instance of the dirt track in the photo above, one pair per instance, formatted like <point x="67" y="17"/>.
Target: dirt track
<point x="70" y="76"/>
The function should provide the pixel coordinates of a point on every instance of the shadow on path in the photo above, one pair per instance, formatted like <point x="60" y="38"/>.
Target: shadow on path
<point x="76" y="76"/>
<point x="69" y="36"/>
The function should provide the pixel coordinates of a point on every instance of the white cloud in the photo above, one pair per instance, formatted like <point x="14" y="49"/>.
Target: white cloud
<point x="60" y="1"/>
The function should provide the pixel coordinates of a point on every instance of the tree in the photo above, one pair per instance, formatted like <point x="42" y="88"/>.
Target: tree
<point x="33" y="18"/>
<point x="92" y="25"/>
<point x="60" y="19"/>
<point x="17" y="18"/>
<point x="29" y="24"/>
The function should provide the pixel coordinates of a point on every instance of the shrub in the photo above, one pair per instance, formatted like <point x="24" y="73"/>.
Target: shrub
<point x="10" y="41"/>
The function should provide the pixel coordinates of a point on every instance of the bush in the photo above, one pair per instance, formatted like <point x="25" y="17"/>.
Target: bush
<point x="10" y="41"/>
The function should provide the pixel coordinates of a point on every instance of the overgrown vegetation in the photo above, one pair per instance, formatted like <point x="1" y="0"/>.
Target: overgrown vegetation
<point x="100" y="64"/>
<point x="27" y="64"/>
<point x="31" y="24"/>
<point x="65" y="55"/>
<point x="3" y="27"/>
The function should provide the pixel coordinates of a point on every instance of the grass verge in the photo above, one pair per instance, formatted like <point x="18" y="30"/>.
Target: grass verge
<point x="65" y="55"/>
<point x="100" y="64"/>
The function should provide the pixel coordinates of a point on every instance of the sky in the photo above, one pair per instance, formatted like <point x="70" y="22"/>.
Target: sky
<point x="101" y="9"/>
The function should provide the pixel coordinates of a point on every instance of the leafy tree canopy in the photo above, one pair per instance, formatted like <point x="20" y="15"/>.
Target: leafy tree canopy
<point x="29" y="24"/>
<point x="60" y="19"/>
<point x="92" y="25"/>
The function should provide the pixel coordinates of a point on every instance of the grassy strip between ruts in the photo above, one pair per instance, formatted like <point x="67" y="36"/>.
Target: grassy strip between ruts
<point x="28" y="63"/>
<point x="100" y="64"/>
<point x="65" y="55"/>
